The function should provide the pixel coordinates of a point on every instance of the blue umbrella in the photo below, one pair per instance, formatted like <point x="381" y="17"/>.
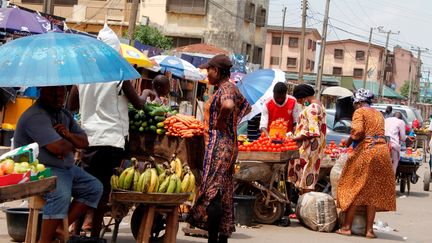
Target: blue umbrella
<point x="20" y="22"/>
<point x="61" y="59"/>
<point x="257" y="88"/>
<point x="178" y="67"/>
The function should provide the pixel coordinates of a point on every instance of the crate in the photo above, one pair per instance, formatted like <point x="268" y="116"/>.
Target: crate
<point x="268" y="156"/>
<point x="13" y="179"/>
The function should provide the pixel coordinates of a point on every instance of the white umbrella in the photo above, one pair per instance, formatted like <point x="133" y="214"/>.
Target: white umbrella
<point x="178" y="67"/>
<point x="337" y="91"/>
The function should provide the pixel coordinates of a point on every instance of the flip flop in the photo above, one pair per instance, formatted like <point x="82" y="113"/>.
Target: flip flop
<point x="371" y="237"/>
<point x="293" y="216"/>
<point x="341" y="232"/>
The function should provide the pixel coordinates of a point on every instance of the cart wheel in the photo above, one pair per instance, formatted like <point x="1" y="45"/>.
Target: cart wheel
<point x="402" y="185"/>
<point x="426" y="180"/>
<point x="414" y="178"/>
<point x="159" y="224"/>
<point x="267" y="214"/>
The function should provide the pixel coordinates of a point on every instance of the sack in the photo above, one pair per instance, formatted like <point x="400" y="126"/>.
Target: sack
<point x="336" y="172"/>
<point x="317" y="211"/>
<point x="254" y="172"/>
<point x="85" y="239"/>
<point x="359" y="223"/>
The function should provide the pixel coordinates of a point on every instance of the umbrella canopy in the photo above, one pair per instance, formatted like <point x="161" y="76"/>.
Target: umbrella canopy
<point x="179" y="67"/>
<point x="257" y="87"/>
<point x="135" y="57"/>
<point x="20" y="22"/>
<point x="337" y="91"/>
<point x="61" y="59"/>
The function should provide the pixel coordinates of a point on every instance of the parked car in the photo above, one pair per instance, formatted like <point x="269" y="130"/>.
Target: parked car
<point x="336" y="131"/>
<point x="410" y="113"/>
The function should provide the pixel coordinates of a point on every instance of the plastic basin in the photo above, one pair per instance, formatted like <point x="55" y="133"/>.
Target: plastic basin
<point x="16" y="219"/>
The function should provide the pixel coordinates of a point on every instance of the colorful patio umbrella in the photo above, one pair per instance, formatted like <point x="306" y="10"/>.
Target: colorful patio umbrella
<point x="20" y="22"/>
<point x="178" y="67"/>
<point x="257" y="88"/>
<point x="61" y="59"/>
<point x="135" y="57"/>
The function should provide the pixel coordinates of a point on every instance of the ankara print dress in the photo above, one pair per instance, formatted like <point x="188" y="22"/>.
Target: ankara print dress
<point x="303" y="172"/>
<point x="220" y="156"/>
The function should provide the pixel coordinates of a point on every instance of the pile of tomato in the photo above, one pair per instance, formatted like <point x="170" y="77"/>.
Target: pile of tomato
<point x="334" y="150"/>
<point x="266" y="144"/>
<point x="279" y="124"/>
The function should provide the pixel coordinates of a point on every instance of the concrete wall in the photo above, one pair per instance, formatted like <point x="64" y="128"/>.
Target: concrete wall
<point x="349" y="62"/>
<point x="292" y="52"/>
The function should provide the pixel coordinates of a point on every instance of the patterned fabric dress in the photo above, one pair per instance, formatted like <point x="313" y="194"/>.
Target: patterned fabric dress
<point x="304" y="172"/>
<point x="367" y="178"/>
<point x="219" y="159"/>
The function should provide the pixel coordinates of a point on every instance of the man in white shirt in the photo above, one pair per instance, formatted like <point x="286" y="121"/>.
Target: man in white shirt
<point x="395" y="129"/>
<point x="105" y="119"/>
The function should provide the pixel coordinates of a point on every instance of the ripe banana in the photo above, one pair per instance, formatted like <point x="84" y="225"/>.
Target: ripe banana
<point x="173" y="164"/>
<point x="185" y="183"/>
<point x="178" y="167"/>
<point x="153" y="187"/>
<point x="172" y="183"/>
<point x="164" y="185"/>
<point x="135" y="180"/>
<point x="144" y="180"/>
<point x="191" y="186"/>
<point x="114" y="182"/>
<point x="123" y="177"/>
<point x="129" y="178"/>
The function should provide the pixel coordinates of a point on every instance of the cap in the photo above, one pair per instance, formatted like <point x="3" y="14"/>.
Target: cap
<point x="219" y="61"/>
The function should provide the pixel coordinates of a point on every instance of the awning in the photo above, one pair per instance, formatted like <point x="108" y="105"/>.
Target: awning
<point x="374" y="87"/>
<point x="311" y="79"/>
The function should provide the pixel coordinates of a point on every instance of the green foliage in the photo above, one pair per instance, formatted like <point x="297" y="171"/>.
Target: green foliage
<point x="405" y="89"/>
<point x="152" y="36"/>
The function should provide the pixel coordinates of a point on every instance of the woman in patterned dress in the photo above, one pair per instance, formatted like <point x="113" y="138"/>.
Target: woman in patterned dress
<point x="214" y="207"/>
<point x="367" y="178"/>
<point x="310" y="133"/>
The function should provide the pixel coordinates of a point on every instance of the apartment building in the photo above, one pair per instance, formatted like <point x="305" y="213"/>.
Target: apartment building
<point x="348" y="58"/>
<point x="289" y="59"/>
<point x="236" y="26"/>
<point x="404" y="66"/>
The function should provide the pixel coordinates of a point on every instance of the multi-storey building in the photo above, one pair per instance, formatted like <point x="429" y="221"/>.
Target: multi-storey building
<point x="289" y="59"/>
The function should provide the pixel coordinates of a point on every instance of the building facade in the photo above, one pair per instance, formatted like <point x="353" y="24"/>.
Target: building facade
<point x="404" y="66"/>
<point x="289" y="59"/>
<point x="348" y="58"/>
<point x="236" y="26"/>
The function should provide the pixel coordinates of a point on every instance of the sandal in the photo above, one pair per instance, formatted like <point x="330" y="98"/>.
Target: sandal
<point x="343" y="232"/>
<point x="370" y="235"/>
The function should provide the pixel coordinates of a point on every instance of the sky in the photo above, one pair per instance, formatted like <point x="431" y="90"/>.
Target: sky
<point x="354" y="18"/>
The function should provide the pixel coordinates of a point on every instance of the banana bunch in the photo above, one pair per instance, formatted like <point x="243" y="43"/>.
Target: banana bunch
<point x="176" y="166"/>
<point x="170" y="182"/>
<point x="148" y="181"/>
<point x="188" y="182"/>
<point x="129" y="178"/>
<point x="115" y="178"/>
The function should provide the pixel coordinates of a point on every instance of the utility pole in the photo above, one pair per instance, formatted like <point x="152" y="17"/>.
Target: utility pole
<point x="410" y="89"/>
<point x="282" y="37"/>
<point x="322" y="51"/>
<point x="416" y="87"/>
<point x="133" y="18"/>
<point x="302" y="41"/>
<point x="367" y="59"/>
<point x="384" y="62"/>
<point x="48" y="6"/>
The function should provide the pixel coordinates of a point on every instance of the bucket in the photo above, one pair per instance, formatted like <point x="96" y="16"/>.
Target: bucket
<point x="16" y="220"/>
<point x="243" y="208"/>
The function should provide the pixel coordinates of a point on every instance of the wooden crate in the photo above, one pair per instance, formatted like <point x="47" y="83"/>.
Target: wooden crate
<point x="150" y="198"/>
<point x="268" y="156"/>
<point x="27" y="189"/>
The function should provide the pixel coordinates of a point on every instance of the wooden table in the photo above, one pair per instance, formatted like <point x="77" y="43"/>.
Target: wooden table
<point x="156" y="202"/>
<point x="34" y="190"/>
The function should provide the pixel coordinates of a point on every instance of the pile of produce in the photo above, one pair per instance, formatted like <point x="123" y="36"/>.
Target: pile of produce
<point x="266" y="144"/>
<point x="183" y="126"/>
<point x="334" y="151"/>
<point x="9" y="166"/>
<point x="280" y="126"/>
<point x="150" y="119"/>
<point x="170" y="177"/>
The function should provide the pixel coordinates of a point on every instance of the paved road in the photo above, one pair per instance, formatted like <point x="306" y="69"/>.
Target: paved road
<point x="411" y="223"/>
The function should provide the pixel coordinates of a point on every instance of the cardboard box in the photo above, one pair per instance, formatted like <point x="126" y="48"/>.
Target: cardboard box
<point x="37" y="176"/>
<point x="27" y="153"/>
<point x="13" y="179"/>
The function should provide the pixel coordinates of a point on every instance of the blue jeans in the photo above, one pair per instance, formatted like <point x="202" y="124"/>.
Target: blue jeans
<point x="73" y="183"/>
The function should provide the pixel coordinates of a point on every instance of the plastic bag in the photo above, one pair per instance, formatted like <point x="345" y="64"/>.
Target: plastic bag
<point x="107" y="35"/>
<point x="317" y="211"/>
<point x="336" y="172"/>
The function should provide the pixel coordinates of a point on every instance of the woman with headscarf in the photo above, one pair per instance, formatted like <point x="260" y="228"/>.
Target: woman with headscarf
<point x="367" y="178"/>
<point x="310" y="133"/>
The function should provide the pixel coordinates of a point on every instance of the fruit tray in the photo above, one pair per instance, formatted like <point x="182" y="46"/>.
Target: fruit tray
<point x="150" y="198"/>
<point x="272" y="157"/>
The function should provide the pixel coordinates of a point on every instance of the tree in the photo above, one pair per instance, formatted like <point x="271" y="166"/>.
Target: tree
<point x="152" y="36"/>
<point x="404" y="90"/>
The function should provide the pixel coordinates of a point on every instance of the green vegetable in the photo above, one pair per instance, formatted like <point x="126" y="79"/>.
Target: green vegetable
<point x="141" y="129"/>
<point x="160" y="125"/>
<point x="152" y="128"/>
<point x="144" y="124"/>
<point x="159" y="118"/>
<point x="150" y="121"/>
<point x="158" y="111"/>
<point x="160" y="131"/>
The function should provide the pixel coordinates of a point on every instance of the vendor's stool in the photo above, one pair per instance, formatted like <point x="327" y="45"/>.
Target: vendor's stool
<point x="36" y="203"/>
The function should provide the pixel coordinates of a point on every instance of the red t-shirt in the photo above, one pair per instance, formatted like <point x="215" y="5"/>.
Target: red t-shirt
<point x="284" y="112"/>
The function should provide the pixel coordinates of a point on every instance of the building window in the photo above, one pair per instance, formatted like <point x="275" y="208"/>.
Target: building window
<point x="56" y="2"/>
<point x="261" y="17"/>
<point x="247" y="51"/>
<point x="198" y="7"/>
<point x="276" y="40"/>
<point x="274" y="60"/>
<point x="337" y="71"/>
<point x="358" y="73"/>
<point x="291" y="62"/>
<point x="257" y="56"/>
<point x="309" y="44"/>
<point x="312" y="66"/>
<point x="185" y="41"/>
<point x="338" y="54"/>
<point x="360" y="55"/>
<point x="293" y="42"/>
<point x="314" y="46"/>
<point x="308" y="63"/>
<point x="249" y="14"/>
